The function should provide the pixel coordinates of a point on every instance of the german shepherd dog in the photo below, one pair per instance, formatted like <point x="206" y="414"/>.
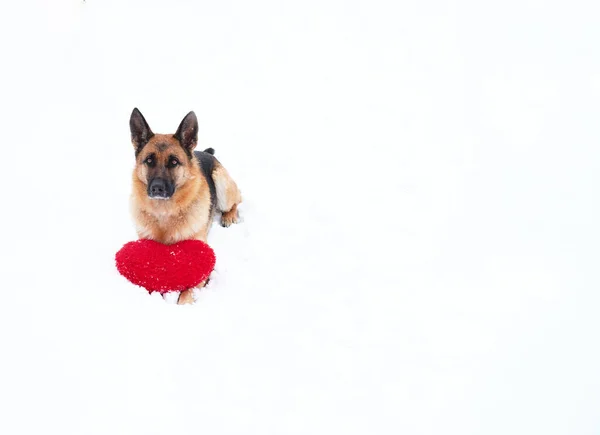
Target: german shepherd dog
<point x="176" y="190"/>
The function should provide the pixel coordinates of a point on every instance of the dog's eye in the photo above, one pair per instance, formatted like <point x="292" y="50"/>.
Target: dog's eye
<point x="173" y="162"/>
<point x="149" y="161"/>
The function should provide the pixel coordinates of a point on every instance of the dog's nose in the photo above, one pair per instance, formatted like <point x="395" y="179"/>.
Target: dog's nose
<point x="158" y="188"/>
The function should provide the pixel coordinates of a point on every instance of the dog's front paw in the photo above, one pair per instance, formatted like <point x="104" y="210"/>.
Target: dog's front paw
<point x="186" y="297"/>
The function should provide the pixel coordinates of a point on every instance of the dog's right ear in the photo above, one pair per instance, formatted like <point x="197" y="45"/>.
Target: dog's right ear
<point x="140" y="130"/>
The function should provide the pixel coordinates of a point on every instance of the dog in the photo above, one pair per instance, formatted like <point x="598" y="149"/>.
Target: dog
<point x="176" y="190"/>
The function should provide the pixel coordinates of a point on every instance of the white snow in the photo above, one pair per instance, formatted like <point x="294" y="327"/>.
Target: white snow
<point x="419" y="246"/>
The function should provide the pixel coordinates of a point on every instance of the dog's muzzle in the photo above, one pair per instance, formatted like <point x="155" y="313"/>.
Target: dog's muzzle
<point x="159" y="188"/>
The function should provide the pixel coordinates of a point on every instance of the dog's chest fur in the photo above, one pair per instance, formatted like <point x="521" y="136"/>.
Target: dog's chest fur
<point x="161" y="223"/>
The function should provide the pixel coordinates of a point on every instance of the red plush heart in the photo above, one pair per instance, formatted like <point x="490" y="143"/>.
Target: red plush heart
<point x="164" y="268"/>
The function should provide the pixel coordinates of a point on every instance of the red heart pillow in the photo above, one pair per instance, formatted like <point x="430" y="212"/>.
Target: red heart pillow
<point x="164" y="268"/>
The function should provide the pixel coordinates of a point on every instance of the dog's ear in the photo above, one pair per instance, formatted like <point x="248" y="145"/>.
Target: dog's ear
<point x="140" y="130"/>
<point x="187" y="133"/>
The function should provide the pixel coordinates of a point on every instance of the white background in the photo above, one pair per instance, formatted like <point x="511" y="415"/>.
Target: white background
<point x="419" y="252"/>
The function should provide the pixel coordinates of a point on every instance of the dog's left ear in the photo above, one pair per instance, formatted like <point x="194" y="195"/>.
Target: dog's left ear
<point x="187" y="133"/>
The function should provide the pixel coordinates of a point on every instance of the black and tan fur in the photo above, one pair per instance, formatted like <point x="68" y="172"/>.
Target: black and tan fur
<point x="176" y="190"/>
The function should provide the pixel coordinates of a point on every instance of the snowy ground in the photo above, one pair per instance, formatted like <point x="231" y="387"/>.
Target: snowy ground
<point x="419" y="252"/>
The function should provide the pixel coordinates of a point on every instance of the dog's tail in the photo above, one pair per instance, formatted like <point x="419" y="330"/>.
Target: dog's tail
<point x="210" y="151"/>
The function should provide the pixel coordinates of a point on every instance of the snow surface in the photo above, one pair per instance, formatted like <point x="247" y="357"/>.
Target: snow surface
<point x="419" y="251"/>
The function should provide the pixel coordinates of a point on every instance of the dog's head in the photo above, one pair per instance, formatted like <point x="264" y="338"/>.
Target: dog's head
<point x="164" y="161"/>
